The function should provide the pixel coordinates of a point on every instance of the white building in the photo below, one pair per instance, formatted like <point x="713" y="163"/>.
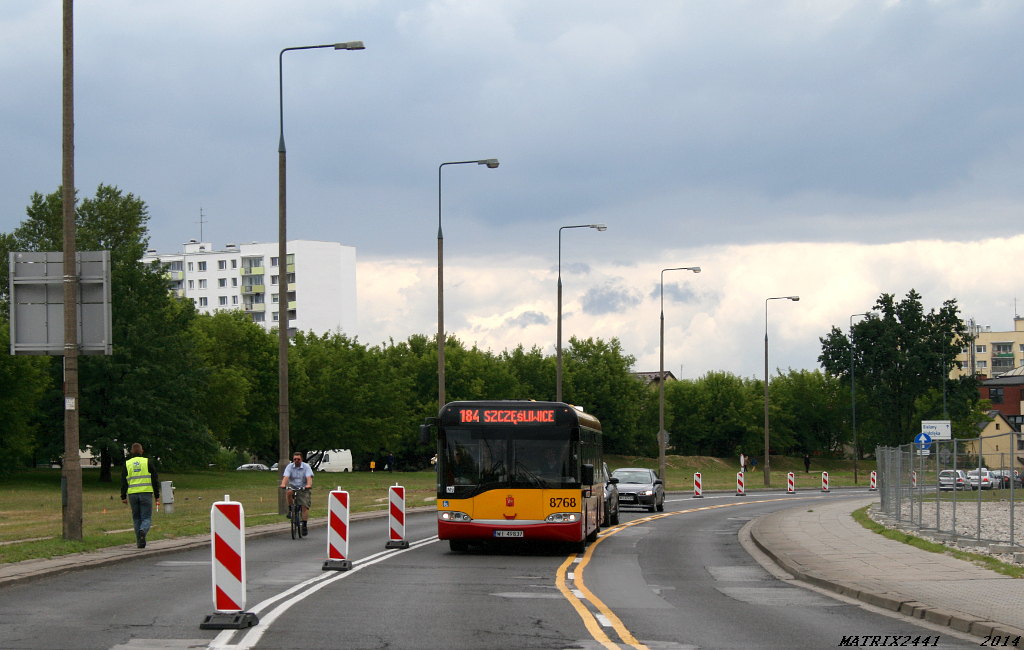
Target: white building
<point x="320" y="278"/>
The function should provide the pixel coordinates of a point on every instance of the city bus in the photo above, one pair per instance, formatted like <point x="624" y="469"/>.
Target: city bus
<point x="518" y="470"/>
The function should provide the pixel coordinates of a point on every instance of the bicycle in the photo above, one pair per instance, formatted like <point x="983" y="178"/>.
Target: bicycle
<point x="295" y="513"/>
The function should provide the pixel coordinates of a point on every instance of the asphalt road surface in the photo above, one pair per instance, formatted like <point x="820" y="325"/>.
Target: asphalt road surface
<point x="678" y="579"/>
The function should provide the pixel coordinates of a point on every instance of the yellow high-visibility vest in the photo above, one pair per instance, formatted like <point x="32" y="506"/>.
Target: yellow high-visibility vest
<point x="139" y="478"/>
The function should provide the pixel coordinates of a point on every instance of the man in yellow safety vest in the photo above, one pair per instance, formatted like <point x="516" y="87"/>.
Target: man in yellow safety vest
<point x="139" y="488"/>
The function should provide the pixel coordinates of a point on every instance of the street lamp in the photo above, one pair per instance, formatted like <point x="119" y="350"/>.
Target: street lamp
<point x="661" y="374"/>
<point x="284" y="442"/>
<point x="558" y="373"/>
<point x="490" y="163"/>
<point x="767" y="473"/>
<point x="853" y="396"/>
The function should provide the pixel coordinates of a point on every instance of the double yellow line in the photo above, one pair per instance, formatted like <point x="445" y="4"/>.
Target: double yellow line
<point x="589" y="618"/>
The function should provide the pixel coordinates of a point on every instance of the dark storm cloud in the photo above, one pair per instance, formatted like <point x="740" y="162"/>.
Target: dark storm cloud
<point x="527" y="318"/>
<point x="611" y="297"/>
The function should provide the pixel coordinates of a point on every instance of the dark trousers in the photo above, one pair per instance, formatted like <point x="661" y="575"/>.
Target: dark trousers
<point x="142" y="511"/>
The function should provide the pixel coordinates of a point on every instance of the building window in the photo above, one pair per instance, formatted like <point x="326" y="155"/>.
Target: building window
<point x="202" y="266"/>
<point x="273" y="261"/>
<point x="274" y="297"/>
<point x="981" y="349"/>
<point x="176" y="266"/>
<point x="1020" y="444"/>
<point x="1002" y="363"/>
<point x="191" y="284"/>
<point x="291" y="259"/>
<point x="274" y="316"/>
<point x="995" y="395"/>
<point x="223" y="300"/>
<point x="222" y="282"/>
<point x="190" y="266"/>
<point x="1002" y="348"/>
<point x="234" y="300"/>
<point x="202" y="284"/>
<point x="203" y="302"/>
<point x="234" y="264"/>
<point x="234" y="282"/>
<point x="291" y="278"/>
<point x="222" y="265"/>
<point x="982" y="365"/>
<point x="258" y="317"/>
<point x="273" y="279"/>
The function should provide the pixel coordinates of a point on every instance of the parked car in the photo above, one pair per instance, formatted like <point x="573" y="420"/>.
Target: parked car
<point x="983" y="481"/>
<point x="640" y="487"/>
<point x="611" y="499"/>
<point x="954" y="479"/>
<point x="259" y="467"/>
<point x="1003" y="477"/>
<point x="273" y="468"/>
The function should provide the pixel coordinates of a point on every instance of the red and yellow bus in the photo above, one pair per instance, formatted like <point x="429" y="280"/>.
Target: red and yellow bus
<point x="518" y="470"/>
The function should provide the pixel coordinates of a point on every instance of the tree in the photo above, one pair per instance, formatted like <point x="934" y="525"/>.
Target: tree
<point x="718" y="414"/>
<point x="810" y="412"/>
<point x="900" y="354"/>
<point x="23" y="382"/>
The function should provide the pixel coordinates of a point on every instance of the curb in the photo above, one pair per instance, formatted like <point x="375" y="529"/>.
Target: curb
<point x="26" y="571"/>
<point x="891" y="601"/>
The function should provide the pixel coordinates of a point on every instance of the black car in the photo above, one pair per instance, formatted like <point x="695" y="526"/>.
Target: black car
<point x="611" y="499"/>
<point x="640" y="487"/>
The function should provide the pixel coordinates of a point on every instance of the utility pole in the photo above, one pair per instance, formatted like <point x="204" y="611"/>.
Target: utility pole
<point x="71" y="476"/>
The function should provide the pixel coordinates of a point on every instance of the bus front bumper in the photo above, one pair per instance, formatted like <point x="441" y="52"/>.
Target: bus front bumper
<point x="471" y="531"/>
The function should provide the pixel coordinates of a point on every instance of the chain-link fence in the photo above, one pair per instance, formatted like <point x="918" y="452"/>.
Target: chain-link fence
<point x="965" y="488"/>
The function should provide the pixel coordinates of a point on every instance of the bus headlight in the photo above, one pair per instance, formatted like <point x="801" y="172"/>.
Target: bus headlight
<point x="563" y="517"/>
<point x="451" y="515"/>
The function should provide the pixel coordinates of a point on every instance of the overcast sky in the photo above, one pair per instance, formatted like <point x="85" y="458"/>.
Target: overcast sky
<point x="829" y="149"/>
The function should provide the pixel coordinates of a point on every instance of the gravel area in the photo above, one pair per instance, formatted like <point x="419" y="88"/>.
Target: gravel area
<point x="995" y="524"/>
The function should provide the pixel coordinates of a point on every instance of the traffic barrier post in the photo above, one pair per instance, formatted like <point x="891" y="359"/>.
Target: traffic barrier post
<point x="739" y="485"/>
<point x="337" y="531"/>
<point x="698" y="492"/>
<point x="824" y="482"/>
<point x="874" y="481"/>
<point x="790" y="483"/>
<point x="227" y="550"/>
<point x="913" y="479"/>
<point x="396" y="518"/>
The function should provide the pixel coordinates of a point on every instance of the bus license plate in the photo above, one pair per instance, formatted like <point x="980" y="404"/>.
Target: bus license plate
<point x="508" y="533"/>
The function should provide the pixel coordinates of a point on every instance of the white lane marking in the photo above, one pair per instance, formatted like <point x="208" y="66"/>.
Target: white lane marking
<point x="254" y="634"/>
<point x="570" y="576"/>
<point x="603" y="620"/>
<point x="578" y="594"/>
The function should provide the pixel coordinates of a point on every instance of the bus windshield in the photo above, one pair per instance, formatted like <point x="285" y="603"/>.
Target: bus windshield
<point x="493" y="457"/>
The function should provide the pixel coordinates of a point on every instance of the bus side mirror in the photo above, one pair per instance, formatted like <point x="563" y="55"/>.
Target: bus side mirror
<point x="587" y="474"/>
<point x="424" y="434"/>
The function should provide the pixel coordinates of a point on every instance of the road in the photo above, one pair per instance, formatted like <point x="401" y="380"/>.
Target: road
<point x="678" y="579"/>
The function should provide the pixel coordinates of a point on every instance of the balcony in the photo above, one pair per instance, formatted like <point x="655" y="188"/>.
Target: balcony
<point x="291" y="268"/>
<point x="255" y="306"/>
<point x="1002" y="355"/>
<point x="254" y="288"/>
<point x="252" y="270"/>
<point x="291" y="305"/>
<point x="291" y="286"/>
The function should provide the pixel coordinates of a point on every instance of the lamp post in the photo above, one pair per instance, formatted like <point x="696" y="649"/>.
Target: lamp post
<point x="600" y="227"/>
<point x="491" y="163"/>
<point x="284" y="442"/>
<point x="661" y="374"/>
<point x="853" y="396"/>
<point x="767" y="468"/>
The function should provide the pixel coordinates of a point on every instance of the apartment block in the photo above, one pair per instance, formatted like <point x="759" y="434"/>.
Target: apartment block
<point x="993" y="353"/>
<point x="316" y="284"/>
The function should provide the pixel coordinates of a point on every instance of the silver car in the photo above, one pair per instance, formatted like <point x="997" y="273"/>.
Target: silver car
<point x="982" y="480"/>
<point x="950" y="479"/>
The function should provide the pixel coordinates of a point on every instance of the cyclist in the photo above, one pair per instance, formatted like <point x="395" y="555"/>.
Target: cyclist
<point x="298" y="476"/>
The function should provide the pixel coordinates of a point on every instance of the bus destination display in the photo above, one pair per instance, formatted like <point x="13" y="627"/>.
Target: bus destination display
<point x="507" y="416"/>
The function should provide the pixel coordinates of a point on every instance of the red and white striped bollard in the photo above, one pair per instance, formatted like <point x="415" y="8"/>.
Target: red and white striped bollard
<point x="227" y="551"/>
<point x="913" y="479"/>
<point x="824" y="481"/>
<point x="337" y="532"/>
<point x="790" y="483"/>
<point x="698" y="491"/>
<point x="739" y="485"/>
<point x="396" y="518"/>
<point x="874" y="481"/>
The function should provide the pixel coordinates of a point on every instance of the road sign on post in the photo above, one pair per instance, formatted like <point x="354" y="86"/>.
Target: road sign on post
<point x="937" y="429"/>
<point x="923" y="441"/>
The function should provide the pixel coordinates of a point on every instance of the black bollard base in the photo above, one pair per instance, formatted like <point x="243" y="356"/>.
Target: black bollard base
<point x="229" y="621"/>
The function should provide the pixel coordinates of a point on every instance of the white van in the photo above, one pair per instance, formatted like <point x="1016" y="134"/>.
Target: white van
<point x="331" y="460"/>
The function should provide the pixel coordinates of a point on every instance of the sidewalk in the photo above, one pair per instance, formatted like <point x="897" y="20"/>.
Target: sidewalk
<point x="824" y="546"/>
<point x="27" y="570"/>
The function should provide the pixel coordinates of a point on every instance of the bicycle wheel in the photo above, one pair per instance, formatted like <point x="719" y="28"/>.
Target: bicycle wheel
<point x="296" y="529"/>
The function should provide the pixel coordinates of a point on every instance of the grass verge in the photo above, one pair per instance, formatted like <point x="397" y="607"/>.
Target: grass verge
<point x="986" y="561"/>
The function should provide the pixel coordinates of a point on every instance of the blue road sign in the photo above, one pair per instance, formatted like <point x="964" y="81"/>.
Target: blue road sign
<point x="923" y="441"/>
